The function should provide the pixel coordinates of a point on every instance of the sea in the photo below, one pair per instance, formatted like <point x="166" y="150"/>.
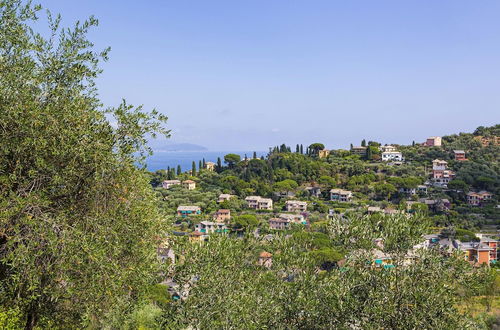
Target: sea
<point x="161" y="160"/>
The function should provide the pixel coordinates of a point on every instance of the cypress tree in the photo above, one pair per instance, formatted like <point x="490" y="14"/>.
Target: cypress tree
<point x="254" y="155"/>
<point x="301" y="149"/>
<point x="219" y="164"/>
<point x="200" y="166"/>
<point x="363" y="143"/>
<point x="193" y="168"/>
<point x="179" y="171"/>
<point x="297" y="149"/>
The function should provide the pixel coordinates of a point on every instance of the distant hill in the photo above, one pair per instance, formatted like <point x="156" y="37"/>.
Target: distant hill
<point x="181" y="147"/>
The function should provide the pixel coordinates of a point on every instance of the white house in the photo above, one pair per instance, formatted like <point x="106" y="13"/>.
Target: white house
<point x="392" y="156"/>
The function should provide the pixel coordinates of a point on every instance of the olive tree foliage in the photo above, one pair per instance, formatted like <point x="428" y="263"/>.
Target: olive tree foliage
<point x="77" y="217"/>
<point x="224" y="286"/>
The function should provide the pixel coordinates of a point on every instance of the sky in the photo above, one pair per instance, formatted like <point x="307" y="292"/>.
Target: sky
<point x="246" y="75"/>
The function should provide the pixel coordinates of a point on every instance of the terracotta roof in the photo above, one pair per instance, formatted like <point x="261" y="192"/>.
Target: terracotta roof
<point x="196" y="233"/>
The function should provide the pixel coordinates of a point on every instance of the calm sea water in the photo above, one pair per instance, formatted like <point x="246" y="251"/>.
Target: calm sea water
<point x="163" y="159"/>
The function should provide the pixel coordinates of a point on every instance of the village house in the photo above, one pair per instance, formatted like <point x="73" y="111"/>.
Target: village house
<point x="314" y="190"/>
<point x="169" y="183"/>
<point x="459" y="155"/>
<point x="278" y="223"/>
<point x="436" y="205"/>
<point x="360" y="151"/>
<point x="323" y="153"/>
<point x="478" y="252"/>
<point x="209" y="166"/>
<point x="189" y="184"/>
<point x="295" y="218"/>
<point x="395" y="156"/>
<point x="433" y="141"/>
<point x="222" y="215"/>
<point x="440" y="174"/>
<point x="284" y="221"/>
<point x="420" y="189"/>
<point x="259" y="203"/>
<point x="296" y="206"/>
<point x="478" y="198"/>
<point x="483" y="252"/>
<point x="265" y="259"/>
<point x="197" y="236"/>
<point x="388" y="148"/>
<point x="187" y="210"/>
<point x="208" y="227"/>
<point x="224" y="197"/>
<point x="494" y="245"/>
<point x="340" y="195"/>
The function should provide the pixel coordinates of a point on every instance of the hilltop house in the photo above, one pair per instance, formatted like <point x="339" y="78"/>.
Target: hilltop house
<point x="189" y="184"/>
<point x="259" y="203"/>
<point x="388" y="148"/>
<point x="185" y="211"/>
<point x="395" y="156"/>
<point x="340" y="195"/>
<point x="459" y="155"/>
<point x="478" y="198"/>
<point x="207" y="227"/>
<point x="209" y="166"/>
<point x="433" y="141"/>
<point x="323" y="153"/>
<point x="169" y="183"/>
<point x="296" y="206"/>
<point x="224" y="197"/>
<point x="222" y="215"/>
<point x="360" y="151"/>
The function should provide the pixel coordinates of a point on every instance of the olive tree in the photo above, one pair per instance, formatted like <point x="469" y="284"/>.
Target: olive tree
<point x="78" y="218"/>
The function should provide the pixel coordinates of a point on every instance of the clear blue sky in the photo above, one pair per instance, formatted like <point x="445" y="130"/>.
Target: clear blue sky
<point x="245" y="75"/>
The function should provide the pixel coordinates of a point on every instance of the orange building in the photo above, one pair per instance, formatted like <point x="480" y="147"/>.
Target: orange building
<point x="478" y="252"/>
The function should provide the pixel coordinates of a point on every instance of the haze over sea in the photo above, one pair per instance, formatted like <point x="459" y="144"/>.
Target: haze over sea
<point x="162" y="159"/>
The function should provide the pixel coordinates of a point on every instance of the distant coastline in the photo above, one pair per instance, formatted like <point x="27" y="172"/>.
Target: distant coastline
<point x="162" y="159"/>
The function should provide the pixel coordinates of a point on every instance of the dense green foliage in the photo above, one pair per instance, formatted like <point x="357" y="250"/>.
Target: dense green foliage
<point x="77" y="217"/>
